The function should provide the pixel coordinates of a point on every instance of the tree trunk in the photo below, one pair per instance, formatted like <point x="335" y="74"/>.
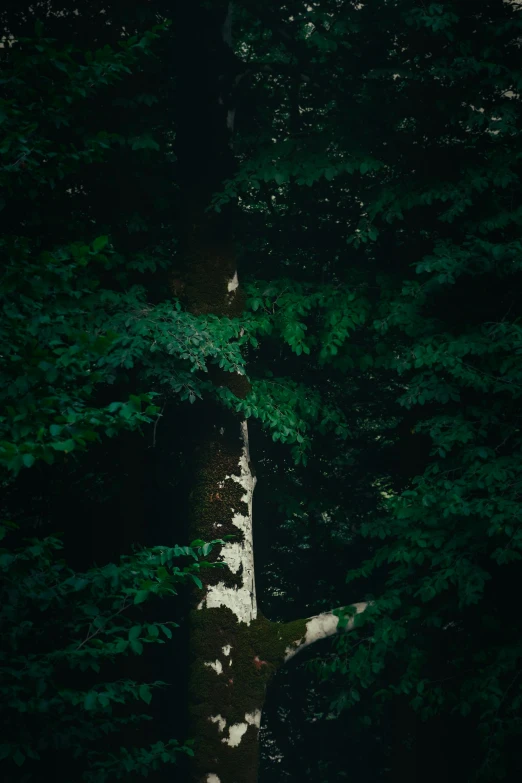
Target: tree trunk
<point x="234" y="650"/>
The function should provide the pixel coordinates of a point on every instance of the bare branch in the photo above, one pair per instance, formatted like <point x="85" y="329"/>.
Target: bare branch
<point x="321" y="626"/>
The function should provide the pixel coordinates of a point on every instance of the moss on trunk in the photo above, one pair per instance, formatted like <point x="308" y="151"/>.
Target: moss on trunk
<point x="232" y="664"/>
<point x="216" y="496"/>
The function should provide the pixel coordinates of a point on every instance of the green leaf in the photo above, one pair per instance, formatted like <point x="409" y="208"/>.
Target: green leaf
<point x="91" y="700"/>
<point x="141" y="596"/>
<point x="99" y="243"/>
<point x="166" y="630"/>
<point x="65" y="445"/>
<point x="144" y="142"/>
<point x="60" y="65"/>
<point x="134" y="632"/>
<point x="18" y="758"/>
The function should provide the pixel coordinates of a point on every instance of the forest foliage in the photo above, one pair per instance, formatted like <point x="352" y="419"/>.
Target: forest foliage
<point x="378" y="223"/>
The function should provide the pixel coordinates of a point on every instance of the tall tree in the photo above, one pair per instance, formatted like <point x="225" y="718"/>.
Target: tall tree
<point x="234" y="649"/>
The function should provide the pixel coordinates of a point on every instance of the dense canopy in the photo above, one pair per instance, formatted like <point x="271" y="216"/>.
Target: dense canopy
<point x="301" y="221"/>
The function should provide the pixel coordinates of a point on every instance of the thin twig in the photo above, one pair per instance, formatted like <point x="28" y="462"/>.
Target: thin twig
<point x="100" y="628"/>
<point x="160" y="414"/>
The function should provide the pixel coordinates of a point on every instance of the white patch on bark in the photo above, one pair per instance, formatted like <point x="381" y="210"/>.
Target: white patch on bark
<point x="242" y="600"/>
<point x="233" y="283"/>
<point x="226" y="649"/>
<point x="213" y="778"/>
<point x="226" y="30"/>
<point x="231" y="115"/>
<point x="237" y="730"/>
<point x="216" y="665"/>
<point x="219" y="719"/>
<point x="320" y="627"/>
<point x="235" y="556"/>
<point x="235" y="734"/>
<point x="254" y="718"/>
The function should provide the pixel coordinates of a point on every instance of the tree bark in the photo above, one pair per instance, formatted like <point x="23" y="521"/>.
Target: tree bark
<point x="234" y="650"/>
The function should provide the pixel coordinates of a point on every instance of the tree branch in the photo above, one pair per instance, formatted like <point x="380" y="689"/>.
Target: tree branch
<point x="321" y="626"/>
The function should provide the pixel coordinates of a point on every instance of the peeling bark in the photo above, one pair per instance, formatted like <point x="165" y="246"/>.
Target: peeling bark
<point x="238" y="555"/>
